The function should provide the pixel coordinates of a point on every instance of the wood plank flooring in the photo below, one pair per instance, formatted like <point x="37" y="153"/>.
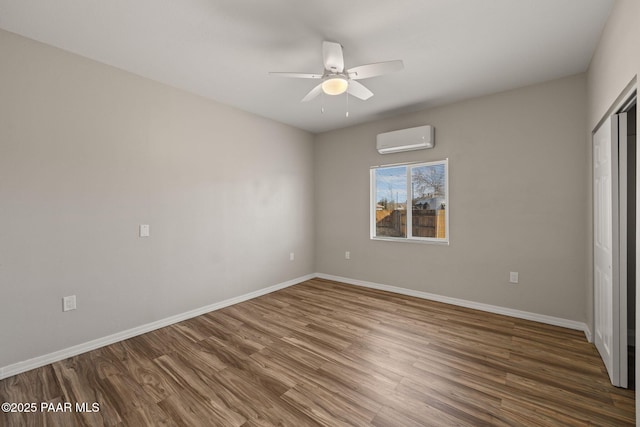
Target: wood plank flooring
<point x="326" y="353"/>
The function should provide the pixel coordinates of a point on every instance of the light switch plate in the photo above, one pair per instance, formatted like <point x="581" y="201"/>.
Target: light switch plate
<point x="69" y="303"/>
<point x="144" y="230"/>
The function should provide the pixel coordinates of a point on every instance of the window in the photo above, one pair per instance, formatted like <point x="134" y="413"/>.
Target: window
<point x="410" y="202"/>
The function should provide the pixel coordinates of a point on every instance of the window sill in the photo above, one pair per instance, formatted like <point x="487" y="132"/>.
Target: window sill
<point x="419" y="241"/>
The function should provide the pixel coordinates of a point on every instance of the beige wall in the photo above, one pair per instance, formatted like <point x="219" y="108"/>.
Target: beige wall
<point x="87" y="153"/>
<point x="517" y="172"/>
<point x="616" y="60"/>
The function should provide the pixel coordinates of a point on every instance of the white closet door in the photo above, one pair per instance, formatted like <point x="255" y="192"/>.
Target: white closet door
<point x="606" y="274"/>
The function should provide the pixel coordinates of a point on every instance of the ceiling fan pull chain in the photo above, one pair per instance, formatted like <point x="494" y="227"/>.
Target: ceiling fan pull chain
<point x="347" y="114"/>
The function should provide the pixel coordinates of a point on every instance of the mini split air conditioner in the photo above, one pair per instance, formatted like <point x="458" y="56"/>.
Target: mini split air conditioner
<point x="417" y="138"/>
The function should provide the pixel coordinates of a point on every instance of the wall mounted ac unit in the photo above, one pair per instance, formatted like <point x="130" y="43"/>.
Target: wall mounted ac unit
<point x="417" y="138"/>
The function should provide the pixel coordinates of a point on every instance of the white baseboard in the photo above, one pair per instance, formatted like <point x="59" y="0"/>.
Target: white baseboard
<point x="587" y="333"/>
<point x="542" y="318"/>
<point x="36" y="362"/>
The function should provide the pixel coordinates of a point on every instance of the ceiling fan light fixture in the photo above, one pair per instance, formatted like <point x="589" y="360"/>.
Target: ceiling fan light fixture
<point x="335" y="86"/>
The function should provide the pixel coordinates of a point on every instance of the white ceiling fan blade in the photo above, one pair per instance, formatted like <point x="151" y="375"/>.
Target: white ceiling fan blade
<point x="358" y="90"/>
<point x="297" y="75"/>
<point x="313" y="93"/>
<point x="332" y="55"/>
<point x="373" y="70"/>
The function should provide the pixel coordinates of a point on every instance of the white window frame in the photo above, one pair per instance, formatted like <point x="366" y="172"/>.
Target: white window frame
<point x="409" y="205"/>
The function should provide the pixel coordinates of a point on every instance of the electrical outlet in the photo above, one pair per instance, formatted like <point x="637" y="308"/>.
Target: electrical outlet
<point x="69" y="303"/>
<point x="513" y="277"/>
<point x="292" y="256"/>
<point x="144" y="230"/>
<point x="347" y="255"/>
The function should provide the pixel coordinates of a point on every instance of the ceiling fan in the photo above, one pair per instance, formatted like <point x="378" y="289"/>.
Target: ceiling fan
<point x="336" y="80"/>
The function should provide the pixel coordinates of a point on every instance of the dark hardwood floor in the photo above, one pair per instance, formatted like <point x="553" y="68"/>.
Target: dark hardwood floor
<point x="325" y="353"/>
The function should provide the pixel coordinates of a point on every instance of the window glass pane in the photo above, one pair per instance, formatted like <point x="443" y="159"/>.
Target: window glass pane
<point x="429" y="199"/>
<point x="391" y="201"/>
<point x="423" y="217"/>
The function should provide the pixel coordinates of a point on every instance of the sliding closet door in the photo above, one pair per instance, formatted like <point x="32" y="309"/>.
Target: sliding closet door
<point x="606" y="232"/>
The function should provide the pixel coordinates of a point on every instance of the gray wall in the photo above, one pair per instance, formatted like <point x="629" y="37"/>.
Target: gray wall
<point x="89" y="152"/>
<point x="518" y="201"/>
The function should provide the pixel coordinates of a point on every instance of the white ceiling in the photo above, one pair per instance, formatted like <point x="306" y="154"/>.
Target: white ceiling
<point x="224" y="49"/>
